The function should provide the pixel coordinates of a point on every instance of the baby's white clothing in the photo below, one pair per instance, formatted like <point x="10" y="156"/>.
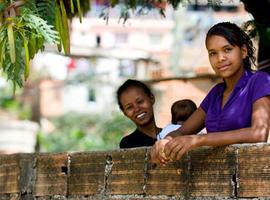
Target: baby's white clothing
<point x="166" y="130"/>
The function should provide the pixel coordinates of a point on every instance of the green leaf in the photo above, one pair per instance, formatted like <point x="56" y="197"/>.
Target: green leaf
<point x="46" y="10"/>
<point x="41" y="27"/>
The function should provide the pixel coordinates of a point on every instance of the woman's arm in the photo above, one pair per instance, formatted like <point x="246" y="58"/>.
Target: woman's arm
<point x="193" y="125"/>
<point x="258" y="132"/>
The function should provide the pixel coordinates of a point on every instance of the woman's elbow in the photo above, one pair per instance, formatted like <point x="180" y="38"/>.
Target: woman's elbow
<point x="260" y="133"/>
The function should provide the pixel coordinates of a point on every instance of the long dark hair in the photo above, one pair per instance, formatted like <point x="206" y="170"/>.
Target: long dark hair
<point x="235" y="36"/>
<point x="132" y="83"/>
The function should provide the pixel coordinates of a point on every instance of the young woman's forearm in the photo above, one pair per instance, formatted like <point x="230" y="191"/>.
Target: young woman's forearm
<point x="245" y="135"/>
<point x="193" y="125"/>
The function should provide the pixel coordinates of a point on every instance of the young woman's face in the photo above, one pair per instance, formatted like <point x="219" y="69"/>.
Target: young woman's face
<point x="137" y="106"/>
<point x="225" y="59"/>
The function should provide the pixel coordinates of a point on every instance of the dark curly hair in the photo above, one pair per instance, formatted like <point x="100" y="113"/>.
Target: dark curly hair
<point x="132" y="83"/>
<point x="181" y="110"/>
<point x="235" y="36"/>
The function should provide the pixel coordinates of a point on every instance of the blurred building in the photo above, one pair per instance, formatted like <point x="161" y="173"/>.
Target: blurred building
<point x="169" y="53"/>
<point x="18" y="136"/>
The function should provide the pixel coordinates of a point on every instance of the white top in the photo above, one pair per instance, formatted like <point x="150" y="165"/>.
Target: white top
<point x="166" y="130"/>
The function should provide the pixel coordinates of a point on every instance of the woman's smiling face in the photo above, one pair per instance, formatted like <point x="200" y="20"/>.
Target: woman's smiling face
<point x="226" y="59"/>
<point x="138" y="106"/>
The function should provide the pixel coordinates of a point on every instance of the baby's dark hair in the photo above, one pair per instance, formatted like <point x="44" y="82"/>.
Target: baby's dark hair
<point x="181" y="110"/>
<point x="235" y="36"/>
<point x="129" y="84"/>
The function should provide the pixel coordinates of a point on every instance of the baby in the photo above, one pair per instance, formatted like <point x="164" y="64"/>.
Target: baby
<point x="181" y="110"/>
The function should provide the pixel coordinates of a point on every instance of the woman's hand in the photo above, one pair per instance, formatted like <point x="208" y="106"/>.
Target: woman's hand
<point x="177" y="147"/>
<point x="158" y="153"/>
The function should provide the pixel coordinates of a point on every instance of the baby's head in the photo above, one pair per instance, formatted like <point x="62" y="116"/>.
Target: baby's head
<point x="181" y="110"/>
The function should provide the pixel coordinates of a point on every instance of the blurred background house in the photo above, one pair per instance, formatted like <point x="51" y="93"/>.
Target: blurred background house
<point x="17" y="132"/>
<point x="167" y="53"/>
<point x="18" y="136"/>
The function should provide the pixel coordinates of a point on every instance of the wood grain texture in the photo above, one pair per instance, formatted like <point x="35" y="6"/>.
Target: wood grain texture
<point x="51" y="174"/>
<point x="171" y="179"/>
<point x="254" y="171"/>
<point x="127" y="172"/>
<point x="211" y="172"/>
<point x="9" y="174"/>
<point x="233" y="172"/>
<point x="86" y="173"/>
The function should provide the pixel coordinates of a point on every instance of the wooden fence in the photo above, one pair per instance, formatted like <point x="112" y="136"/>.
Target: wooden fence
<point x="233" y="172"/>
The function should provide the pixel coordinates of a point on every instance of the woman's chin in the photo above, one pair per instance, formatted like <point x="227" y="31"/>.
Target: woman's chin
<point x="144" y="122"/>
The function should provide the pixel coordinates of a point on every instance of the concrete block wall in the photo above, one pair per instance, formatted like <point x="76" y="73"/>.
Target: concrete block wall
<point x="233" y="172"/>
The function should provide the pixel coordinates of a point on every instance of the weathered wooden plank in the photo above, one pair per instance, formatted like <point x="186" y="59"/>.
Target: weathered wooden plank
<point x="88" y="197"/>
<point x="211" y="172"/>
<point x="86" y="175"/>
<point x="171" y="179"/>
<point x="127" y="172"/>
<point x="205" y="173"/>
<point x="27" y="164"/>
<point x="51" y="197"/>
<point x="10" y="197"/>
<point x="9" y="174"/>
<point x="254" y="171"/>
<point x="140" y="197"/>
<point x="51" y="174"/>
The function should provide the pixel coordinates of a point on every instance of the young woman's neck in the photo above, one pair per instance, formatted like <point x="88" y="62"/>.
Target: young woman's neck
<point x="232" y="81"/>
<point x="151" y="129"/>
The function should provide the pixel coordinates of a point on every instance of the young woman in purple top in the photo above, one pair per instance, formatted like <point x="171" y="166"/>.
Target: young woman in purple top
<point x="234" y="111"/>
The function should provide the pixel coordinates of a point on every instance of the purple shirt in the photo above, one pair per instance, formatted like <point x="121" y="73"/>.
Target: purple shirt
<point x="237" y="111"/>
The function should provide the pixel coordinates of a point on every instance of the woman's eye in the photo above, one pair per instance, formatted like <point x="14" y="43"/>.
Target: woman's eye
<point x="227" y="50"/>
<point x="212" y="53"/>
<point x="140" y="101"/>
<point x="128" y="108"/>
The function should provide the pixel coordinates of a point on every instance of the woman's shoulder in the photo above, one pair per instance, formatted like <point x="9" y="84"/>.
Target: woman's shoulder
<point x="258" y="85"/>
<point x="211" y="95"/>
<point x="130" y="136"/>
<point x="260" y="77"/>
<point x="219" y="87"/>
<point x="260" y="74"/>
<point x="126" y="140"/>
<point x="136" y="139"/>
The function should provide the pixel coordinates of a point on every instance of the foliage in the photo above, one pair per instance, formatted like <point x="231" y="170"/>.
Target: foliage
<point x="113" y="129"/>
<point x="12" y="105"/>
<point x="21" y="37"/>
<point x="140" y="7"/>
<point x="81" y="132"/>
<point x="27" y="25"/>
